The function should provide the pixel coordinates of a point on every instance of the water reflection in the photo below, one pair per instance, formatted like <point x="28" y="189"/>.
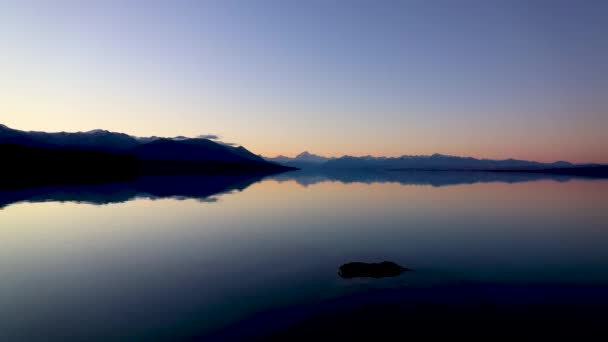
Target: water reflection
<point x="203" y="188"/>
<point x="206" y="188"/>
<point x="171" y="269"/>
<point x="433" y="178"/>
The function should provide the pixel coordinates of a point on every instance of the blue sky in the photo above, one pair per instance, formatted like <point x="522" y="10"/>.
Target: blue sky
<point x="525" y="79"/>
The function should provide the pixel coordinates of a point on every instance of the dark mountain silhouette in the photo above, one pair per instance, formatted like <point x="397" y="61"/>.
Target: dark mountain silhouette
<point x="101" y="140"/>
<point x="36" y="158"/>
<point x="243" y="152"/>
<point x="202" y="150"/>
<point x="25" y="166"/>
<point x="98" y="140"/>
<point x="439" y="162"/>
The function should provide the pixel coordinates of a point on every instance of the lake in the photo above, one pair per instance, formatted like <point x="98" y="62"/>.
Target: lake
<point x="177" y="258"/>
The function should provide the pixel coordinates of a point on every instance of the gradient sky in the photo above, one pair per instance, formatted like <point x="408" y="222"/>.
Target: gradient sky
<point x="524" y="79"/>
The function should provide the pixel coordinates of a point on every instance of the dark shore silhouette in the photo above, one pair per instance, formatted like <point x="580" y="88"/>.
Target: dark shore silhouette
<point x="592" y="171"/>
<point x="38" y="158"/>
<point x="31" y="166"/>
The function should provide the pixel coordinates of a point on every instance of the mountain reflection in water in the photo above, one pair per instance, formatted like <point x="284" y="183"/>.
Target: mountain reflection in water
<point x="206" y="187"/>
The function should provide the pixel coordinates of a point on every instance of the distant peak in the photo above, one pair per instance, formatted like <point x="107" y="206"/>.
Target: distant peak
<point x="562" y="163"/>
<point x="98" y="131"/>
<point x="310" y="157"/>
<point x="305" y="154"/>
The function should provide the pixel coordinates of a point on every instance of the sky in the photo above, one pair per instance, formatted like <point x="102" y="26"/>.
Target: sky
<point x="492" y="79"/>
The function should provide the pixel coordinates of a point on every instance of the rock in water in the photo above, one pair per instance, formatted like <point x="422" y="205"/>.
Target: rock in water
<point x="370" y="270"/>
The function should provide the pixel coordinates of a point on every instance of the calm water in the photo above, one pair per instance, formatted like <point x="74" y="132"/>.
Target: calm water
<point x="166" y="259"/>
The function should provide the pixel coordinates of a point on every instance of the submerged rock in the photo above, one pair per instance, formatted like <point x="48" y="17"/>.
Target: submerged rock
<point x="370" y="270"/>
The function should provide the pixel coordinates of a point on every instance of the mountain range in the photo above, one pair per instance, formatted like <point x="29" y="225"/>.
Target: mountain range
<point x="31" y="158"/>
<point x="307" y="160"/>
<point x="304" y="160"/>
<point x="34" y="158"/>
<point x="154" y="148"/>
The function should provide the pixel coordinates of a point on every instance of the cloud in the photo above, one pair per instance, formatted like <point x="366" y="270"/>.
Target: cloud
<point x="209" y="136"/>
<point x="216" y="138"/>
